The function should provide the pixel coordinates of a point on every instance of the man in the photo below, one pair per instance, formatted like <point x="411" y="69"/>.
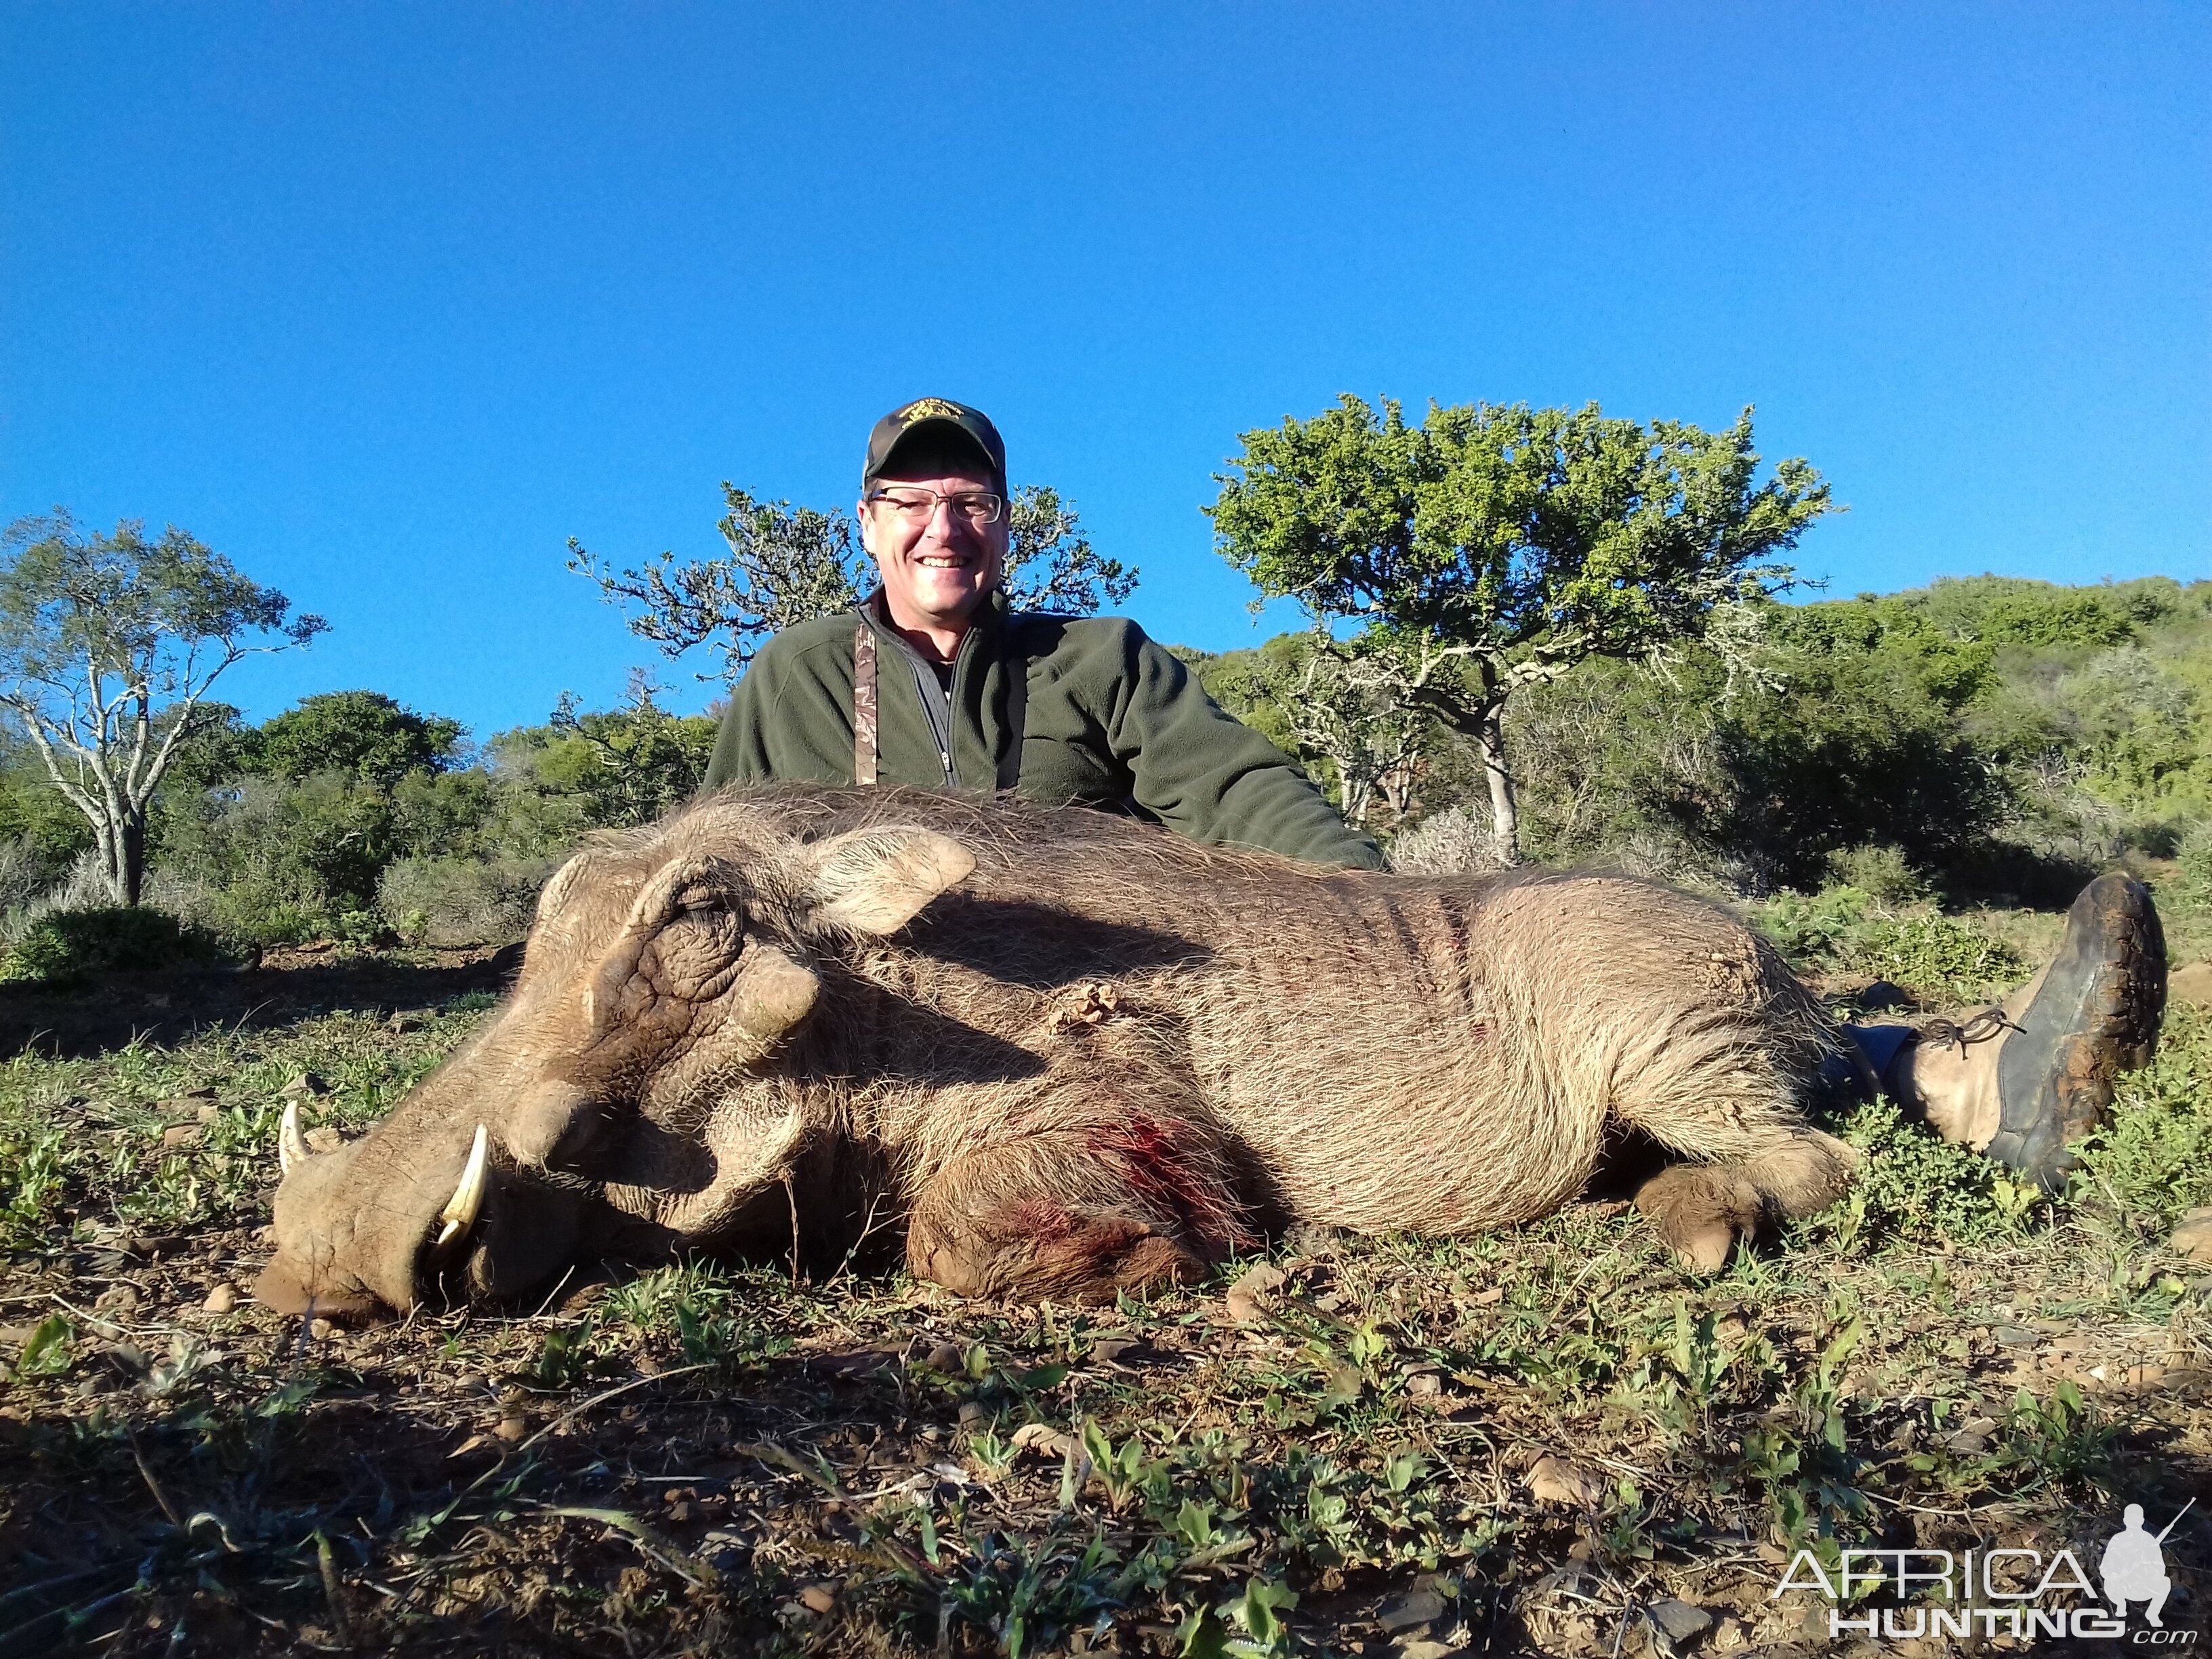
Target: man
<point x="933" y="682"/>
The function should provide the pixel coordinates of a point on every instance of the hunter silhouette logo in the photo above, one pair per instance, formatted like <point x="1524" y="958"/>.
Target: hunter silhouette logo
<point x="2133" y="1567"/>
<point x="2000" y="1592"/>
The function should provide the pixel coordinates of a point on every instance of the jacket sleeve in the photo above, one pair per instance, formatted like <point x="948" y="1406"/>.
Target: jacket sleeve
<point x="1212" y="778"/>
<point x="789" y="718"/>
<point x="740" y="755"/>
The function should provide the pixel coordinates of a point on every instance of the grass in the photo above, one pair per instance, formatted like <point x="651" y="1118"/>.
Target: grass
<point x="1518" y="1442"/>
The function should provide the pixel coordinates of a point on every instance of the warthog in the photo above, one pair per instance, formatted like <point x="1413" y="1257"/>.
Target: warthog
<point x="1069" y="1053"/>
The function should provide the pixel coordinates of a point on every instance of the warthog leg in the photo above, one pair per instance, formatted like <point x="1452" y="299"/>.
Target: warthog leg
<point x="1075" y="1217"/>
<point x="1701" y="1209"/>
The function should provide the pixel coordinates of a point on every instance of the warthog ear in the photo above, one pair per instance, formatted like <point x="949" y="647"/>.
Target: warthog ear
<point x="876" y="881"/>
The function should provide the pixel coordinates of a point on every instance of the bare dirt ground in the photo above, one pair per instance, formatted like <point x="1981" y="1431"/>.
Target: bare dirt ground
<point x="1554" y="1440"/>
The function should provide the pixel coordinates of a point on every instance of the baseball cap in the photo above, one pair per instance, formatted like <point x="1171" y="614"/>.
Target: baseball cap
<point x="925" y="414"/>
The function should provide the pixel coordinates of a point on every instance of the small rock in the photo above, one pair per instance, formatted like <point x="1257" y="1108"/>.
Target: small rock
<point x="127" y="1358"/>
<point x="1971" y="1438"/>
<point x="473" y="1383"/>
<point x="1681" y="1620"/>
<point x="512" y="1427"/>
<point x="818" y="1598"/>
<point x="1040" y="1439"/>
<point x="1731" y="1636"/>
<point x="182" y="1134"/>
<point x="2014" y="1336"/>
<point x="117" y="1299"/>
<point x="1111" y="1348"/>
<point x="946" y="1356"/>
<point x="207" y="1112"/>
<point x="1420" y="1647"/>
<point x="2191" y="984"/>
<point x="193" y="1100"/>
<point x="724" y="1550"/>
<point x="322" y="1330"/>
<point x="2193" y="1238"/>
<point x="1424" y="1386"/>
<point x="221" y="1300"/>
<point x="1247" y="1299"/>
<point x="1414" y="1607"/>
<point x="1554" y="1480"/>
<point x="971" y="1413"/>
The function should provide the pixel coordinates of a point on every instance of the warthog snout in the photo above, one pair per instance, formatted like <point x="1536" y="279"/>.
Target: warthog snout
<point x="656" y="976"/>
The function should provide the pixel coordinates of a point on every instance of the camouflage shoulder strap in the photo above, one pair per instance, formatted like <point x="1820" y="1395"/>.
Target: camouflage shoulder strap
<point x="864" y="705"/>
<point x="1017" y="703"/>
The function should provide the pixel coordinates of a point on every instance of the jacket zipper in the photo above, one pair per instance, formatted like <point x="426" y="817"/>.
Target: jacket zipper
<point x="936" y="700"/>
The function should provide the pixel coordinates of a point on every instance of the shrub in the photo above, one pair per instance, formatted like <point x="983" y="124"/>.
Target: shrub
<point x="458" y="902"/>
<point x="67" y="945"/>
<point x="1843" y="930"/>
<point x="2194" y="858"/>
<point x="1915" y="1189"/>
<point x="1880" y="871"/>
<point x="1455" y="842"/>
<point x="1937" y="955"/>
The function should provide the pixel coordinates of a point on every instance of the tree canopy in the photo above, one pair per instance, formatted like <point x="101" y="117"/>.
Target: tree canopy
<point x="1492" y="546"/>
<point x="108" y="644"/>
<point x="365" y="733"/>
<point x="786" y="565"/>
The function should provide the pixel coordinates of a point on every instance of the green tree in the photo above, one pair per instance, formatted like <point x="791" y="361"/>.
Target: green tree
<point x="625" y="766"/>
<point x="364" y="733"/>
<point x="787" y="565"/>
<point x="1491" y="547"/>
<point x="108" y="645"/>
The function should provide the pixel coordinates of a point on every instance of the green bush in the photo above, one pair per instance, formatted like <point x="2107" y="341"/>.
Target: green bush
<point x="1880" y="871"/>
<point x="2193" y="856"/>
<point x="1815" y="930"/>
<point x="1842" y="930"/>
<point x="64" y="946"/>
<point x="1915" y="1189"/>
<point x="458" y="902"/>
<point x="1936" y="955"/>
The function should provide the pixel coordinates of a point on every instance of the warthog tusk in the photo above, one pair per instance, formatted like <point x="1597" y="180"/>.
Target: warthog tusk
<point x="460" y="1212"/>
<point x="291" y="1145"/>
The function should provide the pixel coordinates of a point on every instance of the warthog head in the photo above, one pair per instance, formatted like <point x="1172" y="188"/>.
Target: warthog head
<point x="663" y="969"/>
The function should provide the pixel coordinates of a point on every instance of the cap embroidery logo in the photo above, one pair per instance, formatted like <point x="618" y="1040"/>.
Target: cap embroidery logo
<point x="928" y="409"/>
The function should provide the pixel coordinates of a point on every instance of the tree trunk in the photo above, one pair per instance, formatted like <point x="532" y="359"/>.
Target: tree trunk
<point x="1505" y="815"/>
<point x="132" y="839"/>
<point x="109" y="835"/>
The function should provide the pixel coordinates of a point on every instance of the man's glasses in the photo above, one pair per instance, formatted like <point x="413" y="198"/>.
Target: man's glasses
<point x="917" y="506"/>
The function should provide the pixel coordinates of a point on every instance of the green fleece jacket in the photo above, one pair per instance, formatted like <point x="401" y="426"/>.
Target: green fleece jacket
<point x="1108" y="719"/>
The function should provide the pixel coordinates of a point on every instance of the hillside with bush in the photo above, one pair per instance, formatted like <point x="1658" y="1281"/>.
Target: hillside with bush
<point x="1984" y="739"/>
<point x="1996" y="738"/>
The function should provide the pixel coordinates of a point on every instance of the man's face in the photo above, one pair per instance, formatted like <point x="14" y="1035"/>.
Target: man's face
<point x="939" y="569"/>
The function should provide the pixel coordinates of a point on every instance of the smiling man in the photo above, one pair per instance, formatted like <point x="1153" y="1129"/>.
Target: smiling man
<point x="933" y="681"/>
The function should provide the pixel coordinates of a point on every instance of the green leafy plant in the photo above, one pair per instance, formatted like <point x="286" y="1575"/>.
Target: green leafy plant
<point x="70" y="946"/>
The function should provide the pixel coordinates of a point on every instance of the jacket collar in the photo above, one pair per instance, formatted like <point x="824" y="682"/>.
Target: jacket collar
<point x="990" y="618"/>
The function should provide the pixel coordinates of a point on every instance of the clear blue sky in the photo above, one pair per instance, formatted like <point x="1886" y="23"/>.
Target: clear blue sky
<point x="386" y="302"/>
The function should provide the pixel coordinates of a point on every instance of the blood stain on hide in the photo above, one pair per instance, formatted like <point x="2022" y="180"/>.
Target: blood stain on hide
<point x="1159" y="1169"/>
